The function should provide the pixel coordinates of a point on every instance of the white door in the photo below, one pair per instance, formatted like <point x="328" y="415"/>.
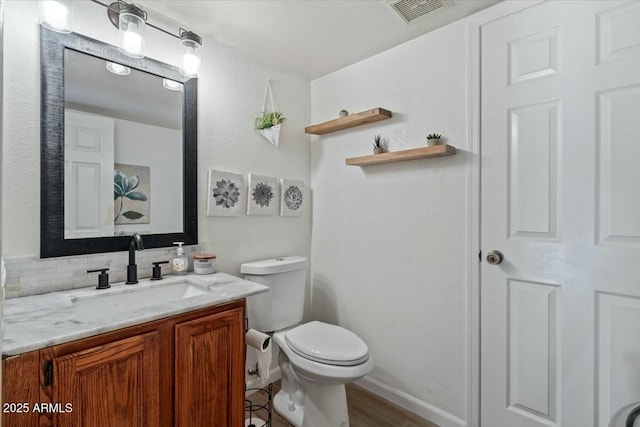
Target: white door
<point x="560" y="333"/>
<point x="88" y="175"/>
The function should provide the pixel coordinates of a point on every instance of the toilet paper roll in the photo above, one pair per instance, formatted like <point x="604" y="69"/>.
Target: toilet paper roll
<point x="261" y="344"/>
<point x="254" y="422"/>
<point x="258" y="340"/>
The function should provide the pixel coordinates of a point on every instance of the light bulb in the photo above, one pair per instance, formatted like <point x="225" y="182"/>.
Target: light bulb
<point x="118" y="69"/>
<point x="171" y="84"/>
<point x="132" y="43"/>
<point x="190" y="63"/>
<point x="132" y="26"/>
<point x="56" y="15"/>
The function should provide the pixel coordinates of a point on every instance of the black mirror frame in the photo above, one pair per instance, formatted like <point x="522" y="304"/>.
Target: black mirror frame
<point x="52" y="241"/>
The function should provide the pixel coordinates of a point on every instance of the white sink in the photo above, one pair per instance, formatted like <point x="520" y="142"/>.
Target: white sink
<point x="137" y="296"/>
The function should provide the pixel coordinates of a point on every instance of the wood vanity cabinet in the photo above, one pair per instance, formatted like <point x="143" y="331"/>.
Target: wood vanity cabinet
<point x="186" y="370"/>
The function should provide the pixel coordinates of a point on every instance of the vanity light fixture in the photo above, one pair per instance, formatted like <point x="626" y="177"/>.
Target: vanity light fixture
<point x="191" y="60"/>
<point x="171" y="85"/>
<point x="118" y="69"/>
<point x="56" y="15"/>
<point x="131" y="21"/>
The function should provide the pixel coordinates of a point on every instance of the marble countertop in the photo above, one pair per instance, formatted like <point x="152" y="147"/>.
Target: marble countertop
<point x="39" y="321"/>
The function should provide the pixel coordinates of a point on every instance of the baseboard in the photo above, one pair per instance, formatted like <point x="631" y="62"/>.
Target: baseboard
<point x="410" y="403"/>
<point x="253" y="381"/>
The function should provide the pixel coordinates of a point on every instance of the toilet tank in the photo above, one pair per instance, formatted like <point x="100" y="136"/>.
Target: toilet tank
<point x="283" y="305"/>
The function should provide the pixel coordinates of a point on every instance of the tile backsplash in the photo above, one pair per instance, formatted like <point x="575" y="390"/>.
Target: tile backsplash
<point x="30" y="275"/>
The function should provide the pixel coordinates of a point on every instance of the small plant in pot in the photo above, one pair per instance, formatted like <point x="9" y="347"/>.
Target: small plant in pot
<point x="269" y="125"/>
<point x="378" y="144"/>
<point x="434" y="139"/>
<point x="269" y="119"/>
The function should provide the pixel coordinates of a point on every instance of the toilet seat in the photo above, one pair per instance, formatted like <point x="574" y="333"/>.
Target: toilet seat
<point x="327" y="344"/>
<point x="323" y="372"/>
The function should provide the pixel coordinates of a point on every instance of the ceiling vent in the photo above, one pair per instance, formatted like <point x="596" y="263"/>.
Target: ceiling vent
<point x="410" y="10"/>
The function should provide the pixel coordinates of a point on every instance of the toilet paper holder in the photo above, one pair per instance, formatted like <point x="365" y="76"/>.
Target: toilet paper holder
<point x="261" y="344"/>
<point x="255" y="414"/>
<point x="254" y="371"/>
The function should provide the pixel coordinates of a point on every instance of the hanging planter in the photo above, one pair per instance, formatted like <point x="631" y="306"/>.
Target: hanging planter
<point x="272" y="134"/>
<point x="271" y="120"/>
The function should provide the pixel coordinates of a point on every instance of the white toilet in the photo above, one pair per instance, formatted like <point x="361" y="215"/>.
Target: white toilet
<point x="316" y="359"/>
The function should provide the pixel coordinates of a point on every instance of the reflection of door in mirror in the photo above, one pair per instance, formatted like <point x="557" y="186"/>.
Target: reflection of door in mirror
<point x="88" y="170"/>
<point x="123" y="150"/>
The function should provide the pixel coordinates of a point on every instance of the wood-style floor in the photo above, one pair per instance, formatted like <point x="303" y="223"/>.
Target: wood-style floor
<point x="365" y="410"/>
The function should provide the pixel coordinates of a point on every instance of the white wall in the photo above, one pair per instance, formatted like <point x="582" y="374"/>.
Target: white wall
<point x="389" y="242"/>
<point x="230" y="95"/>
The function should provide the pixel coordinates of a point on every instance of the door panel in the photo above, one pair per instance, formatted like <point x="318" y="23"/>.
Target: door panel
<point x="560" y="155"/>
<point x="617" y="353"/>
<point x="533" y="348"/>
<point x="618" y="175"/>
<point x="534" y="56"/>
<point x="534" y="208"/>
<point x="619" y="33"/>
<point x="86" y="177"/>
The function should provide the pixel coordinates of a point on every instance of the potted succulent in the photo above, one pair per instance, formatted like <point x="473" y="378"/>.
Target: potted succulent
<point x="378" y="144"/>
<point x="433" y="139"/>
<point x="269" y="125"/>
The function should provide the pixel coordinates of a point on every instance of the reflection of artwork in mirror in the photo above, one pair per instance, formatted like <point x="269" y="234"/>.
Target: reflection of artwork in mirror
<point x="225" y="193"/>
<point x="131" y="194"/>
<point x="116" y="115"/>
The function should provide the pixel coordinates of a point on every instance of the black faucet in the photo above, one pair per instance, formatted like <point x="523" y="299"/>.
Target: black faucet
<point x="135" y="243"/>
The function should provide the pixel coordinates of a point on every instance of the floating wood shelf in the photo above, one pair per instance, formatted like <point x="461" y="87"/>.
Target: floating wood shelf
<point x="399" y="156"/>
<point x="352" y="120"/>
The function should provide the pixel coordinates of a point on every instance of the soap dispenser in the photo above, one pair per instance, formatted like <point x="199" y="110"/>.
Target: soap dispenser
<point x="180" y="263"/>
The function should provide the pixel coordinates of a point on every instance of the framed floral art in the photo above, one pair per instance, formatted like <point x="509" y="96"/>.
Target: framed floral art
<point x="225" y="193"/>
<point x="263" y="196"/>
<point x="292" y="199"/>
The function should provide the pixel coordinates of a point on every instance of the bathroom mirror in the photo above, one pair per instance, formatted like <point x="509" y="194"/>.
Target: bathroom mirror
<point x="118" y="149"/>
<point x="122" y="150"/>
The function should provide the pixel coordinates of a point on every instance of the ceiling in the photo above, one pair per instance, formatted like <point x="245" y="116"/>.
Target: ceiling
<point x="310" y="38"/>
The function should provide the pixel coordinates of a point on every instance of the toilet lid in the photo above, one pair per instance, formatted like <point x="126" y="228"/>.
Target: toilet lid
<point x="328" y="344"/>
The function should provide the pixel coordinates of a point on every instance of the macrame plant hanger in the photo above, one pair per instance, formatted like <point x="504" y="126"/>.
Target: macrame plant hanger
<point x="272" y="134"/>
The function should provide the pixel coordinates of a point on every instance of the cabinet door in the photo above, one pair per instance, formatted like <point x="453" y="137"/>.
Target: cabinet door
<point x="20" y="390"/>
<point x="111" y="385"/>
<point x="209" y="376"/>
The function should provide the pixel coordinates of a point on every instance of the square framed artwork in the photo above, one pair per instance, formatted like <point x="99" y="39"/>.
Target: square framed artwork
<point x="263" y="195"/>
<point x="225" y="193"/>
<point x="292" y="199"/>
